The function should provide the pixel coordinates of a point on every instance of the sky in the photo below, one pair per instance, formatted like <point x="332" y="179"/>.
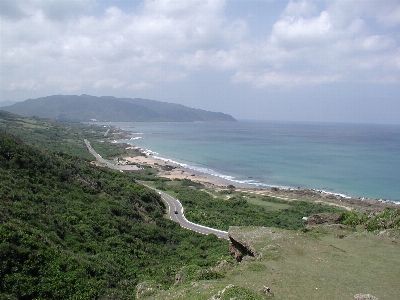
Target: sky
<point x="313" y="61"/>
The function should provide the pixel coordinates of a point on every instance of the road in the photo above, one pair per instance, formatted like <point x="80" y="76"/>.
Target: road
<point x="179" y="217"/>
<point x="121" y="168"/>
<point x="98" y="156"/>
<point x="173" y="203"/>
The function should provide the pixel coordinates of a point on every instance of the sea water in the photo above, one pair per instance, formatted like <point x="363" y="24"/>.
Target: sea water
<point x="356" y="160"/>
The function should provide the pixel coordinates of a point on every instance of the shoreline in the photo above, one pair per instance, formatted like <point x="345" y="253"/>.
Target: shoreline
<point x="173" y="170"/>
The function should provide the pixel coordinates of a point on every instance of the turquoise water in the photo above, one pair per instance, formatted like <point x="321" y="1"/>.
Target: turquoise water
<point x="348" y="159"/>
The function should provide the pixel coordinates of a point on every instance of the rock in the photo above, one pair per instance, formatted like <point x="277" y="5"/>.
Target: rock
<point x="267" y="290"/>
<point x="178" y="278"/>
<point x="221" y="293"/>
<point x="238" y="249"/>
<point x="167" y="168"/>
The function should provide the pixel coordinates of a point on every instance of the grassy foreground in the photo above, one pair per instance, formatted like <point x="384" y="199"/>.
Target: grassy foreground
<point x="320" y="264"/>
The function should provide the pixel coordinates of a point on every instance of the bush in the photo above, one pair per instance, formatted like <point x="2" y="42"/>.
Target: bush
<point x="351" y="218"/>
<point x="388" y="219"/>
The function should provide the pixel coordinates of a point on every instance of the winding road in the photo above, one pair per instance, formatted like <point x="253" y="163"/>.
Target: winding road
<point x="175" y="207"/>
<point x="176" y="215"/>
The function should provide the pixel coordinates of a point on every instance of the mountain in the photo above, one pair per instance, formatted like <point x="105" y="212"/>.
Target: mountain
<point x="107" y="108"/>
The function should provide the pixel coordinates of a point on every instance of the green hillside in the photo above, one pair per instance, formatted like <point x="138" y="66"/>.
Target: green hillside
<point x="71" y="230"/>
<point x="85" y="108"/>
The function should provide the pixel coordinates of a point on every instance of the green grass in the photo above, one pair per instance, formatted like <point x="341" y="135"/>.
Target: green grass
<point x="297" y="265"/>
<point x="270" y="206"/>
<point x="221" y="212"/>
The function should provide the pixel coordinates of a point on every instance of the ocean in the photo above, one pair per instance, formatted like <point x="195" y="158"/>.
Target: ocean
<point x="356" y="160"/>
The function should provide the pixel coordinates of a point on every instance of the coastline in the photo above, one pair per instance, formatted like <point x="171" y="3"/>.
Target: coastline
<point x="173" y="170"/>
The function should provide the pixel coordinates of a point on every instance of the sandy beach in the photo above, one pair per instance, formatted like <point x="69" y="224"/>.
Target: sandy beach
<point x="172" y="171"/>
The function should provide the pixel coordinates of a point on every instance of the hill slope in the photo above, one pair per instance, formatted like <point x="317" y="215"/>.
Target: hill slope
<point x="84" y="108"/>
<point x="71" y="230"/>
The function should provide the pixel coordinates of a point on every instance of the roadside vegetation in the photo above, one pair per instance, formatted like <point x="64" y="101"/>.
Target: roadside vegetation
<point x="221" y="212"/>
<point x="69" y="229"/>
<point x="61" y="136"/>
<point x="73" y="230"/>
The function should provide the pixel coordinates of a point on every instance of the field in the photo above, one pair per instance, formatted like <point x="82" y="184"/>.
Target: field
<point x="323" y="263"/>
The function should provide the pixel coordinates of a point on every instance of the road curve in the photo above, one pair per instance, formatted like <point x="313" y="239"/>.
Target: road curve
<point x="176" y="214"/>
<point x="175" y="207"/>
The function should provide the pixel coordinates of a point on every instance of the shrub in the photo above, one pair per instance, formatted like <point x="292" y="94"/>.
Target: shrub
<point x="351" y="218"/>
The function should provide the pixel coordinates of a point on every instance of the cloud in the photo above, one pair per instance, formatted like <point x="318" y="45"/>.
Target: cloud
<point x="268" y="79"/>
<point x="139" y="86"/>
<point x="11" y="10"/>
<point x="292" y="31"/>
<point x="301" y="8"/>
<point x="63" y="10"/>
<point x="110" y="83"/>
<point x="70" y="45"/>
<point x="30" y="85"/>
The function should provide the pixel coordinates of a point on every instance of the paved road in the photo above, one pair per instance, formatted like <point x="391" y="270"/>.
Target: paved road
<point x="179" y="217"/>
<point x="121" y="168"/>
<point x="98" y="156"/>
<point x="175" y="207"/>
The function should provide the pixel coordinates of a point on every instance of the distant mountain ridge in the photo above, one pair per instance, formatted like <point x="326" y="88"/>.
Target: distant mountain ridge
<point x="107" y="108"/>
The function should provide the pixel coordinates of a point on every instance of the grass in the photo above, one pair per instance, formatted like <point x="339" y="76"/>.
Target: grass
<point x="270" y="206"/>
<point x="296" y="265"/>
<point x="251" y="198"/>
<point x="300" y="266"/>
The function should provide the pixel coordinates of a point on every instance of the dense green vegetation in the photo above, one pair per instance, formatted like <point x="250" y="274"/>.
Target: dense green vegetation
<point x="203" y="208"/>
<point x="387" y="219"/>
<point x="69" y="229"/>
<point x="63" y="137"/>
<point x="55" y="136"/>
<point x="72" y="230"/>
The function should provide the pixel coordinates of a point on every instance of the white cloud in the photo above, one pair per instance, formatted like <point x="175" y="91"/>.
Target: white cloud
<point x="377" y="43"/>
<point x="110" y="83"/>
<point x="139" y="86"/>
<point x="297" y="32"/>
<point x="301" y="8"/>
<point x="116" y="43"/>
<point x="65" y="45"/>
<point x="30" y="85"/>
<point x="267" y="79"/>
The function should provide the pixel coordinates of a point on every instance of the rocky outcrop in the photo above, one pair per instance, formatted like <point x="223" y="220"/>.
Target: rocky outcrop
<point x="167" y="168"/>
<point x="239" y="248"/>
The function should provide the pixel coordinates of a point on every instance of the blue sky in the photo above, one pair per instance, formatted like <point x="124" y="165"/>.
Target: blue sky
<point x="332" y="61"/>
